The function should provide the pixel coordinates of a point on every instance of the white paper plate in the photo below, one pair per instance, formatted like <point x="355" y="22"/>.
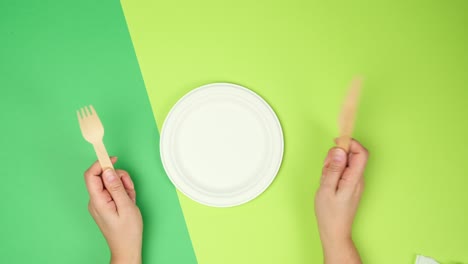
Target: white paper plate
<point x="221" y="145"/>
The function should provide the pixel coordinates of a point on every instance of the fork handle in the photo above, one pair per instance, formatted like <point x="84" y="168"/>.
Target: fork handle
<point x="102" y="156"/>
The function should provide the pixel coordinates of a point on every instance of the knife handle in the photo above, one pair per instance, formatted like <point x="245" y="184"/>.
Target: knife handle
<point x="343" y="142"/>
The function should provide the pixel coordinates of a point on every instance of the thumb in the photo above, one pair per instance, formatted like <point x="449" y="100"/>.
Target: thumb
<point x="334" y="167"/>
<point x="115" y="187"/>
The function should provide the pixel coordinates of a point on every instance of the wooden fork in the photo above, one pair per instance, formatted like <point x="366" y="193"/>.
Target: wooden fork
<point x="93" y="132"/>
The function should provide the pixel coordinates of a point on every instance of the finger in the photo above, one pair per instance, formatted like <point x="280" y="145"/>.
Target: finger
<point x="358" y="159"/>
<point x="333" y="169"/>
<point x="357" y="162"/>
<point x="93" y="180"/>
<point x="128" y="184"/>
<point x="115" y="187"/>
<point x="130" y="192"/>
<point x="103" y="202"/>
<point x="96" y="169"/>
<point x="127" y="181"/>
<point x="360" y="187"/>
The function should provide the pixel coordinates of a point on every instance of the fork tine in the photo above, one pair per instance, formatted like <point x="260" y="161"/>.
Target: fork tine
<point x="83" y="113"/>
<point x="88" y="113"/>
<point x="78" y="114"/>
<point x="93" y="112"/>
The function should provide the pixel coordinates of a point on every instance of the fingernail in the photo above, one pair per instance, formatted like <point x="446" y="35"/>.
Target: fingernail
<point x="109" y="175"/>
<point x="338" y="155"/>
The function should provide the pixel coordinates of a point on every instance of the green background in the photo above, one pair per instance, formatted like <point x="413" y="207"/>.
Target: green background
<point x="56" y="56"/>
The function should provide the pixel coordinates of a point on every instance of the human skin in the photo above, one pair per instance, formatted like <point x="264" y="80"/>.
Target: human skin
<point x="112" y="204"/>
<point x="337" y="201"/>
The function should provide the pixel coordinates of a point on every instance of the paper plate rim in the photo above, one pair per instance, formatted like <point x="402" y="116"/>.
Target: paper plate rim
<point x="277" y="125"/>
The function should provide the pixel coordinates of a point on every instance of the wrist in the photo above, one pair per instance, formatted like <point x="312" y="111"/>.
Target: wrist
<point x="337" y="242"/>
<point x="340" y="250"/>
<point x="128" y="258"/>
<point x="341" y="239"/>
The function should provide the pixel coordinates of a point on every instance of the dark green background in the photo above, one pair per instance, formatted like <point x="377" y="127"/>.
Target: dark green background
<point x="56" y="56"/>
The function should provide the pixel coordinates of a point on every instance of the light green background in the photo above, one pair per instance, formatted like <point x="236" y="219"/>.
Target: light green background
<point x="57" y="56"/>
<point x="300" y="56"/>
